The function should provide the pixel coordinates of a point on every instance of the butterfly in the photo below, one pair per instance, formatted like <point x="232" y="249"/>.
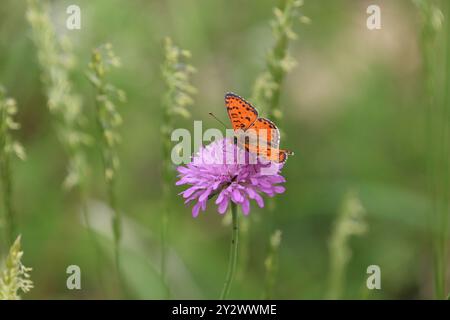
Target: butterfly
<point x="244" y="117"/>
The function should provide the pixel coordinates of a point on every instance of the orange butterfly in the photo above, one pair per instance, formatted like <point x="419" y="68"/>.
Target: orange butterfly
<point x="244" y="116"/>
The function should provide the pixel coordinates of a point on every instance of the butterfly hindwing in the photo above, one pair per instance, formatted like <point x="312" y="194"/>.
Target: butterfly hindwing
<point x="267" y="132"/>
<point x="241" y="113"/>
<point x="271" y="154"/>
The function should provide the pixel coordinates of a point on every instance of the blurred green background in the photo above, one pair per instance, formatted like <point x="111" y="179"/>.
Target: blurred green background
<point x="352" y="114"/>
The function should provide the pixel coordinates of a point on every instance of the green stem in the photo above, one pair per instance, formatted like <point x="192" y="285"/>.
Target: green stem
<point x="116" y="225"/>
<point x="233" y="252"/>
<point x="165" y="222"/>
<point x="277" y="72"/>
<point x="91" y="234"/>
<point x="164" y="245"/>
<point x="438" y="139"/>
<point x="437" y="130"/>
<point x="445" y="162"/>
<point x="244" y="239"/>
<point x="6" y="182"/>
<point x="5" y="174"/>
<point x="167" y="182"/>
<point x="111" y="194"/>
<point x="271" y="264"/>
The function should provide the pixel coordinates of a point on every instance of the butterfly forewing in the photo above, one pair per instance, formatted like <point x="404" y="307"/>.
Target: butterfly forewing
<point x="241" y="113"/>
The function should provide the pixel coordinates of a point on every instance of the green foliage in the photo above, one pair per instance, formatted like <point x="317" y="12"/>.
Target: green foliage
<point x="267" y="88"/>
<point x="108" y="118"/>
<point x="8" y="147"/>
<point x="351" y="222"/>
<point x="438" y="130"/>
<point x="176" y="73"/>
<point x="56" y="61"/>
<point x="432" y="16"/>
<point x="271" y="264"/>
<point x="234" y="247"/>
<point x="14" y="276"/>
<point x="178" y="97"/>
<point x="108" y="121"/>
<point x="267" y="92"/>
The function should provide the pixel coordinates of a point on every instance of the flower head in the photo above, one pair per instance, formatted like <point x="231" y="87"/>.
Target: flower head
<point x="226" y="170"/>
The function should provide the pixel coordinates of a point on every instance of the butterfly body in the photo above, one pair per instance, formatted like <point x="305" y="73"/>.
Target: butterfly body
<point x="263" y="136"/>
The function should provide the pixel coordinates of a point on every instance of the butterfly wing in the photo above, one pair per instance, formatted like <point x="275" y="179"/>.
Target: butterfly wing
<point x="271" y="154"/>
<point x="268" y="141"/>
<point x="244" y="117"/>
<point x="267" y="132"/>
<point x="241" y="113"/>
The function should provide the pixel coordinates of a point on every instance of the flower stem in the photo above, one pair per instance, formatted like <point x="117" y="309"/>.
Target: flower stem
<point x="116" y="226"/>
<point x="176" y="73"/>
<point x="268" y="85"/>
<point x="164" y="246"/>
<point x="91" y="234"/>
<point x="6" y="186"/>
<point x="233" y="252"/>
<point x="445" y="162"/>
<point x="437" y="132"/>
<point x="108" y="122"/>
<point x="271" y="264"/>
<point x="350" y="222"/>
<point x="8" y="148"/>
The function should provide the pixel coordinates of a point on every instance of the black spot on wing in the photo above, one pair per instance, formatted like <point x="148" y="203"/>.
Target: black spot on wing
<point x="241" y="101"/>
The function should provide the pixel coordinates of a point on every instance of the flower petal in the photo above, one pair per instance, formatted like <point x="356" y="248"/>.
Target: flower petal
<point x="259" y="200"/>
<point x="214" y="169"/>
<point x="187" y="193"/>
<point x="223" y="206"/>
<point x="236" y="196"/>
<point x="277" y="179"/>
<point x="220" y="197"/>
<point x="245" y="206"/>
<point x="279" y="189"/>
<point x="204" y="196"/>
<point x="181" y="181"/>
<point x="183" y="170"/>
<point x="196" y="209"/>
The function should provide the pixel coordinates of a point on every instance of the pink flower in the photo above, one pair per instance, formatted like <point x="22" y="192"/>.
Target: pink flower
<point x="215" y="170"/>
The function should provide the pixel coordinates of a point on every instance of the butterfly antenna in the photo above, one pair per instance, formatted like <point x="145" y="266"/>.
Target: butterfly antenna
<point x="212" y="115"/>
